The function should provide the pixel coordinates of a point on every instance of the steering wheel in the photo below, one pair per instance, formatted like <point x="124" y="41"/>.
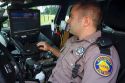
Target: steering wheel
<point x="7" y="67"/>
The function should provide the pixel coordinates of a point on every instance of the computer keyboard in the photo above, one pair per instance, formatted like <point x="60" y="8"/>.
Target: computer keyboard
<point x="31" y="48"/>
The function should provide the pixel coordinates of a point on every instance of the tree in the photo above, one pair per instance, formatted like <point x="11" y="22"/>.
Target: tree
<point x="51" y="10"/>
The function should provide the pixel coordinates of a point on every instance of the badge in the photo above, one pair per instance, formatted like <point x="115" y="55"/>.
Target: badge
<point x="80" y="51"/>
<point x="103" y="65"/>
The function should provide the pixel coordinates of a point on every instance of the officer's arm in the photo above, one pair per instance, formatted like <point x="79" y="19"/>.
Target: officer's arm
<point x="55" y="51"/>
<point x="99" y="69"/>
<point x="46" y="47"/>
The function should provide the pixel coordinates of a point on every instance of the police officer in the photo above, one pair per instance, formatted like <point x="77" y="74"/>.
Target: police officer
<point x="81" y="59"/>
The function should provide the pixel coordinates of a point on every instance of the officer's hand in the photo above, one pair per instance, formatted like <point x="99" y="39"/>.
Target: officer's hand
<point x="43" y="46"/>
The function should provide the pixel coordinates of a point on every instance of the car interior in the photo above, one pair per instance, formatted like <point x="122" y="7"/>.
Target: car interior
<point x="23" y="23"/>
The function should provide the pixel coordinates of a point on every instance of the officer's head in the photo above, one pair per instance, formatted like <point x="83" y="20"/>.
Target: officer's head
<point x="84" y="17"/>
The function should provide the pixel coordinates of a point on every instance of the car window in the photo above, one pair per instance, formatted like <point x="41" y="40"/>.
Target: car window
<point x="68" y="13"/>
<point x="47" y="13"/>
<point x="5" y="15"/>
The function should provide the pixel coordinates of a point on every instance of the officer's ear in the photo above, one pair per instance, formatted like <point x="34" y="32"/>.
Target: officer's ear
<point x="86" y="21"/>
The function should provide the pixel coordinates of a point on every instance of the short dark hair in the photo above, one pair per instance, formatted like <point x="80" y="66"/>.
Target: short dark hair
<point x="96" y="12"/>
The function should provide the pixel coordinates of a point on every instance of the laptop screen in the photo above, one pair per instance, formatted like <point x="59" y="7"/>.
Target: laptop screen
<point x="24" y="21"/>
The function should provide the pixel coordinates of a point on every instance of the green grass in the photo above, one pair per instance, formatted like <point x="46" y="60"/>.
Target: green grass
<point x="46" y="19"/>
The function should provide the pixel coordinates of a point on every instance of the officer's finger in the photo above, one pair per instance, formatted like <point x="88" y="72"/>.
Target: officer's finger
<point x="41" y="48"/>
<point x="40" y="44"/>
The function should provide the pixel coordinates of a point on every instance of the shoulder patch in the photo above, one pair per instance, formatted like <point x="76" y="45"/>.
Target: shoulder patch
<point x="103" y="65"/>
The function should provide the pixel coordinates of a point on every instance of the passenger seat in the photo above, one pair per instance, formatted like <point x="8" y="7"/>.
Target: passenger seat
<point x="118" y="39"/>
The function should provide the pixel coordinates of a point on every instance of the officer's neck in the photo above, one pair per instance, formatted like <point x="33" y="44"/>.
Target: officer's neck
<point x="86" y="33"/>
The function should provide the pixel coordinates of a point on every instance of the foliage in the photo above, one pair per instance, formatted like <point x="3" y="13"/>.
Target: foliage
<point x="52" y="10"/>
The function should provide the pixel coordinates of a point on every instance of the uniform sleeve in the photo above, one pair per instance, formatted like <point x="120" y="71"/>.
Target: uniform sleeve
<point x="90" y="73"/>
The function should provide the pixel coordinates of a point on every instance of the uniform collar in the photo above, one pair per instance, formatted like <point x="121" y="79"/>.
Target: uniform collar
<point x="91" y="38"/>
